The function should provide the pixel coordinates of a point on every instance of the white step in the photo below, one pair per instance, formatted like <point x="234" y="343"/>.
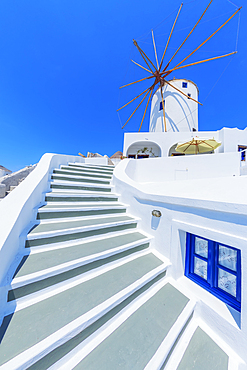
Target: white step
<point x="77" y="183"/>
<point x="74" y="230"/>
<point x="83" y="193"/>
<point x="80" y="177"/>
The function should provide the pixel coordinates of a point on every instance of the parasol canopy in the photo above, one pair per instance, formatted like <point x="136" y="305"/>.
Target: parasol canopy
<point x="197" y="145"/>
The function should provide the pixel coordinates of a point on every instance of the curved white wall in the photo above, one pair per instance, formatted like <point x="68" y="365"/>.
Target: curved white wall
<point x="17" y="210"/>
<point x="181" y="113"/>
<point x="3" y="173"/>
<point x="207" y="166"/>
<point x="212" y="208"/>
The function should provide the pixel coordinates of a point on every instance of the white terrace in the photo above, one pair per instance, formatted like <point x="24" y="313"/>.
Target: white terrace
<point x="163" y="144"/>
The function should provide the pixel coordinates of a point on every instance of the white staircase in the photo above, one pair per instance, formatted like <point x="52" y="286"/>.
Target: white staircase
<point x="88" y="291"/>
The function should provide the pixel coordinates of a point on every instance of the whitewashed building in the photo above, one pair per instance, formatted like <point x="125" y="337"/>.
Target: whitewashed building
<point x="4" y="171"/>
<point x="182" y="125"/>
<point x="181" y="112"/>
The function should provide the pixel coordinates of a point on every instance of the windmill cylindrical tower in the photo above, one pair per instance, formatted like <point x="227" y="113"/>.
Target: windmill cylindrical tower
<point x="181" y="113"/>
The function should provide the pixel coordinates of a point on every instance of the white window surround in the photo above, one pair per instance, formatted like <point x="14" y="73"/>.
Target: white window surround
<point x="178" y="250"/>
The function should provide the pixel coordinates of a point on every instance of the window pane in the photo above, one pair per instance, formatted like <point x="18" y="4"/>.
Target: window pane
<point x="228" y="257"/>
<point x="161" y="105"/>
<point x="227" y="282"/>
<point x="201" y="247"/>
<point x="200" y="268"/>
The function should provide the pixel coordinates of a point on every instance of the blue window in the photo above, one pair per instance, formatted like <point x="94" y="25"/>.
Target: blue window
<point x="185" y="85"/>
<point x="242" y="149"/>
<point x="161" y="105"/>
<point x="216" y="267"/>
<point x="189" y="95"/>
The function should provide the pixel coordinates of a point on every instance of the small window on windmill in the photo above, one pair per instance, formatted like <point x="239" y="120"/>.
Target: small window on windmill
<point x="184" y="85"/>
<point x="161" y="105"/>
<point x="189" y="95"/>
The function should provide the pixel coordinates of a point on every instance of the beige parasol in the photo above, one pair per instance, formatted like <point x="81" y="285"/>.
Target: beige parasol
<point x="197" y="145"/>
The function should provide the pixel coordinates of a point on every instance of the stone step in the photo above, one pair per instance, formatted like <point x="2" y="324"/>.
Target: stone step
<point x="201" y="352"/>
<point x="47" y="212"/>
<point x="50" y="206"/>
<point x="12" y="187"/>
<point x="64" y="211"/>
<point x="42" y="260"/>
<point x="50" y="227"/>
<point x="80" y="197"/>
<point x="26" y="285"/>
<point x="88" y="170"/>
<point x="32" y="332"/>
<point x="95" y="168"/>
<point x="132" y="343"/>
<point x="57" y="232"/>
<point x="107" y="172"/>
<point x="81" y="173"/>
<point x="79" y="179"/>
<point x="77" y="186"/>
<point x="102" y="235"/>
<point x="107" y="166"/>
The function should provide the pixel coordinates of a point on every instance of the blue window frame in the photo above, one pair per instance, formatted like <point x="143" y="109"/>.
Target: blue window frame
<point x="161" y="105"/>
<point x="215" y="267"/>
<point x="185" y="85"/>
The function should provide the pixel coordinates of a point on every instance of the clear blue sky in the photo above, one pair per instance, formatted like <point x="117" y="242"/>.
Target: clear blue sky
<point x="62" y="63"/>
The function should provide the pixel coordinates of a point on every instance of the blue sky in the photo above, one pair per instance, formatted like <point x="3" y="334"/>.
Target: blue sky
<point x="62" y="63"/>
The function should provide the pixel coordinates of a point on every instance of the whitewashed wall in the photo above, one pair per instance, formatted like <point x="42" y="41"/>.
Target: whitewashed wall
<point x="164" y="140"/>
<point x="18" y="212"/>
<point x="229" y="137"/>
<point x="214" y="209"/>
<point x="14" y="178"/>
<point x="3" y="173"/>
<point x="181" y="113"/>
<point x="184" y="167"/>
<point x="17" y="209"/>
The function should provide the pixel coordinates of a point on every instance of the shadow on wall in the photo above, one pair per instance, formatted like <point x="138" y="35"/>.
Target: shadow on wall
<point x="174" y="127"/>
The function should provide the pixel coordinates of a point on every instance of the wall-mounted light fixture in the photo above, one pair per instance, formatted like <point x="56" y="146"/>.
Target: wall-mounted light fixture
<point x="156" y="213"/>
